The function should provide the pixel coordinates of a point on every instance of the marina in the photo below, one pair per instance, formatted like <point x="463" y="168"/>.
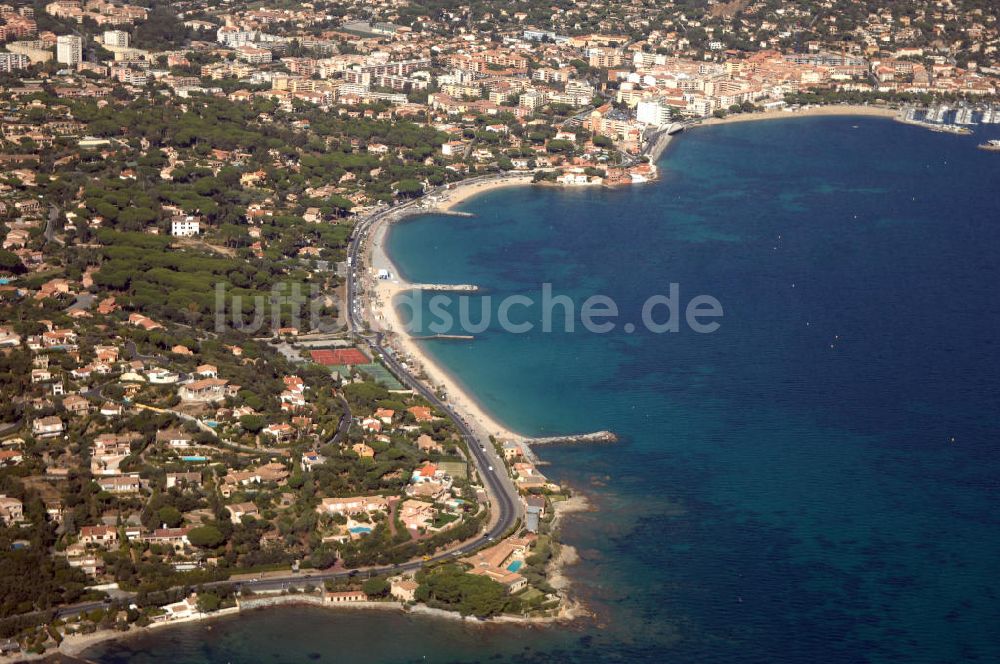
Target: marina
<point x="960" y="119"/>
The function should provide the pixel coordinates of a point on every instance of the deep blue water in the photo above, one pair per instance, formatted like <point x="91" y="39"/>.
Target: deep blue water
<point x="815" y="481"/>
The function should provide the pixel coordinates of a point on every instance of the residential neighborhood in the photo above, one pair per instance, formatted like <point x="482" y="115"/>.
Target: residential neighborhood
<point x="186" y="404"/>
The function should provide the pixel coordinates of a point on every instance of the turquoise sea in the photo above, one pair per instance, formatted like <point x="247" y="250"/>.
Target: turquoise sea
<point x="816" y="481"/>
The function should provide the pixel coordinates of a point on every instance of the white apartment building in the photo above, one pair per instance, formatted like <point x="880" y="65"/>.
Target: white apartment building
<point x="69" y="50"/>
<point x="652" y="112"/>
<point x="12" y="61"/>
<point x="184" y="226"/>
<point x="116" y="38"/>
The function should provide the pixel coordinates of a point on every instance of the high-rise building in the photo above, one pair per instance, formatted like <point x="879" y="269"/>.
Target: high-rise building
<point x="653" y="112"/>
<point x="12" y="61"/>
<point x="116" y="38"/>
<point x="69" y="50"/>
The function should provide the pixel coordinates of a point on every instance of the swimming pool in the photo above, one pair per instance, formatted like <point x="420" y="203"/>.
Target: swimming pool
<point x="360" y="529"/>
<point x="194" y="459"/>
<point x="514" y="566"/>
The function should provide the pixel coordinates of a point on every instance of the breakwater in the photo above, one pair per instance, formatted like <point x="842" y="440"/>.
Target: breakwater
<point x="451" y="288"/>
<point x="594" y="437"/>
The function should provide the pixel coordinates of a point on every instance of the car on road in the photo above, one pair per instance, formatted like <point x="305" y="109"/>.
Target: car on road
<point x="491" y="469"/>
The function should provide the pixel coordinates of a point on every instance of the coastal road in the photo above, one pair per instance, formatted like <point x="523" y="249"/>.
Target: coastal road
<point x="504" y="501"/>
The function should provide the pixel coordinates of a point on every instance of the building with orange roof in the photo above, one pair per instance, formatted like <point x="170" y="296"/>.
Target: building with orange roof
<point x="206" y="389"/>
<point x="363" y="450"/>
<point x="420" y="413"/>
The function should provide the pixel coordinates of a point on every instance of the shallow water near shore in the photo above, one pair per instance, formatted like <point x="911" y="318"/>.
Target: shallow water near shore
<point x="815" y="481"/>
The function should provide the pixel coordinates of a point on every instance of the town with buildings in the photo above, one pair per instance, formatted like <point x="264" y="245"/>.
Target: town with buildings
<point x="168" y="161"/>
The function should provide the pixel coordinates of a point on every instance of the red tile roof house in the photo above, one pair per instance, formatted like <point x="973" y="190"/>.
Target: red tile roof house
<point x="206" y="389"/>
<point x="102" y="536"/>
<point x="281" y="433"/>
<point x="492" y="562"/>
<point x="292" y="400"/>
<point x="421" y="413"/>
<point x="425" y="473"/>
<point x="11" y="457"/>
<point x="138" y="320"/>
<point x="294" y="384"/>
<point x="59" y="338"/>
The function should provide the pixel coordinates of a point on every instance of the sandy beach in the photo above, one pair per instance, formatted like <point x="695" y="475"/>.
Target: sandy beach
<point x="410" y="352"/>
<point x="806" y="112"/>
<point x="385" y="317"/>
<point x="462" y="192"/>
<point x="73" y="645"/>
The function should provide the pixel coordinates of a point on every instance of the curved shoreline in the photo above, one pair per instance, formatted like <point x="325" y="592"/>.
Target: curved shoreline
<point x="462" y="192"/>
<point x="850" y="110"/>
<point x="473" y="411"/>
<point x="78" y="645"/>
<point x="386" y="292"/>
<point x="385" y="315"/>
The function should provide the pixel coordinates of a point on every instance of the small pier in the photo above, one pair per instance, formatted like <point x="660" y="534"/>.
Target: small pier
<point x="595" y="437"/>
<point x="458" y="337"/>
<point x="453" y="213"/>
<point x="457" y="288"/>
